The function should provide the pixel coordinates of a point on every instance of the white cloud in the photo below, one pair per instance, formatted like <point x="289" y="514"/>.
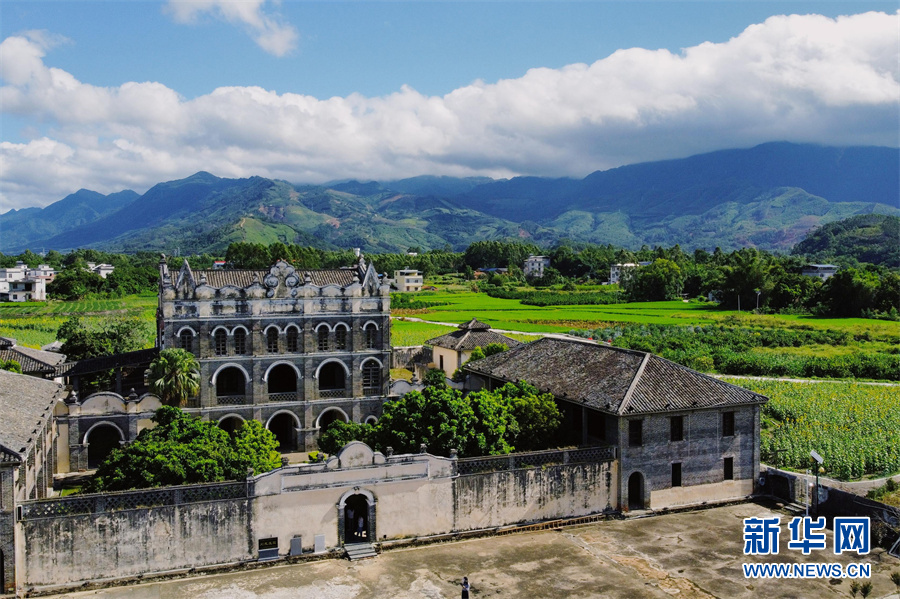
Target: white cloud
<point x="794" y="78"/>
<point x="270" y="34"/>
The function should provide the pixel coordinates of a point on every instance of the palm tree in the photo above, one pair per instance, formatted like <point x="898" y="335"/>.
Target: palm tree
<point x="174" y="376"/>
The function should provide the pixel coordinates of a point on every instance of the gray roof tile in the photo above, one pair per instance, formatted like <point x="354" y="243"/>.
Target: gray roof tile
<point x="26" y="404"/>
<point x="611" y="379"/>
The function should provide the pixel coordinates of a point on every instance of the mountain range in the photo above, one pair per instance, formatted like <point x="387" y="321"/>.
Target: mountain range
<point x="768" y="197"/>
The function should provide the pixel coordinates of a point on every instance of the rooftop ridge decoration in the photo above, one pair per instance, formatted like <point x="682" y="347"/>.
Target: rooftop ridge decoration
<point x="281" y="280"/>
<point x="474" y="325"/>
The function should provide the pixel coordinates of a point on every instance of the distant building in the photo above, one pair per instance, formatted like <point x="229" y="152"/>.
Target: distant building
<point x="218" y="264"/>
<point x="451" y="351"/>
<point x="408" y="280"/>
<point x="25" y="290"/>
<point x="43" y="271"/>
<point x="821" y="271"/>
<point x="617" y="271"/>
<point x="104" y="270"/>
<point x="535" y="265"/>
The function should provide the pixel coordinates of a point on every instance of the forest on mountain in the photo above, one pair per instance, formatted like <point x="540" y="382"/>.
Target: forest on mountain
<point x="767" y="197"/>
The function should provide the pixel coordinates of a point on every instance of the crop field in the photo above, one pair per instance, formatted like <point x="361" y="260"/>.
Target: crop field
<point x="460" y="306"/>
<point x="34" y="324"/>
<point x="855" y="427"/>
<point x="409" y="332"/>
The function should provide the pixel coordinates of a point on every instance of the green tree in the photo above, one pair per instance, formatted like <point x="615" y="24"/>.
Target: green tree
<point x="438" y="416"/>
<point x="493" y="426"/>
<point x="82" y="339"/>
<point x="11" y="366"/>
<point x="536" y="415"/>
<point x="174" y="376"/>
<point x="339" y="433"/>
<point x="435" y="377"/>
<point x="75" y="283"/>
<point x="183" y="449"/>
<point x="661" y="280"/>
<point x="850" y="292"/>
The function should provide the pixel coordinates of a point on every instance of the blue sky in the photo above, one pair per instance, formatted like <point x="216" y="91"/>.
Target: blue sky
<point x="124" y="94"/>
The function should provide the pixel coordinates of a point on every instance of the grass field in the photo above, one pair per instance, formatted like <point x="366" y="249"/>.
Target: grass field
<point x="856" y="427"/>
<point x="34" y="324"/>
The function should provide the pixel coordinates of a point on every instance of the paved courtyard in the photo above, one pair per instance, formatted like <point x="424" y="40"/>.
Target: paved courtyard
<point x="685" y="555"/>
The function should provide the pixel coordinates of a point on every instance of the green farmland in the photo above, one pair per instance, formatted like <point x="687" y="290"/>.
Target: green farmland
<point x="34" y="324"/>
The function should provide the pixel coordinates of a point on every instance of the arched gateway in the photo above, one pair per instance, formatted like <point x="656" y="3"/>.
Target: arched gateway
<point x="356" y="517"/>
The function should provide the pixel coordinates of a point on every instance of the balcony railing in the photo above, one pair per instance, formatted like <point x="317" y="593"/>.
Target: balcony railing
<point x="231" y="400"/>
<point x="285" y="396"/>
<point x="332" y="393"/>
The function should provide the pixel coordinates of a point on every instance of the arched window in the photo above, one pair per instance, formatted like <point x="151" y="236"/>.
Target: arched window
<point x="221" y="344"/>
<point x="340" y="338"/>
<point x="323" y="338"/>
<point x="272" y="340"/>
<point x="371" y="377"/>
<point x="371" y="335"/>
<point x="240" y="341"/>
<point x="293" y="340"/>
<point x="187" y="340"/>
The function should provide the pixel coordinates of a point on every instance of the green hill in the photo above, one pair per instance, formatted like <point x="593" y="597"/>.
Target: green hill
<point x="871" y="238"/>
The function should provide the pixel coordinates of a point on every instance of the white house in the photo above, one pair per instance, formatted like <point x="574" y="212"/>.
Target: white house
<point x="821" y="271"/>
<point x="535" y="265"/>
<point x="408" y="280"/>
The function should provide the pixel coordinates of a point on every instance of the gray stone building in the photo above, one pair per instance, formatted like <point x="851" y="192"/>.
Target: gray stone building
<point x="27" y="436"/>
<point x="682" y="437"/>
<point x="294" y="349"/>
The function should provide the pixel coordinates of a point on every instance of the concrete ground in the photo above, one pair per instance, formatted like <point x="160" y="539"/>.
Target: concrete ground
<point x="686" y="555"/>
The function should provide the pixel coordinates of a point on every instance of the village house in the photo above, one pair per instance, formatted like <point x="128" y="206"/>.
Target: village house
<point x="682" y="437"/>
<point x="618" y="272"/>
<point x="27" y="436"/>
<point x="534" y="266"/>
<point x="408" y="280"/>
<point x="451" y="351"/>
<point x="34" y="362"/>
<point x="820" y="271"/>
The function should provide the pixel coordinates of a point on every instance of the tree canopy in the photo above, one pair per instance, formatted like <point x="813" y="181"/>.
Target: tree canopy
<point x="515" y="417"/>
<point x="174" y="376"/>
<point x="183" y="449"/>
<point x="91" y="339"/>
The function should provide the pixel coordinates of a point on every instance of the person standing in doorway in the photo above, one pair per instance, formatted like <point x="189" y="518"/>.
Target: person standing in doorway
<point x="360" y="527"/>
<point x="465" y="587"/>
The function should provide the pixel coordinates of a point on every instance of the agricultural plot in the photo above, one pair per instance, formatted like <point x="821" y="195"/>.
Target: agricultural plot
<point x="856" y="427"/>
<point x="34" y="324"/>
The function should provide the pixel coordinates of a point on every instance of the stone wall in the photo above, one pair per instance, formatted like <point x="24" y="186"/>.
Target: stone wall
<point x="533" y="494"/>
<point x="75" y="539"/>
<point x="701" y="453"/>
<point x="408" y="356"/>
<point x="118" y="535"/>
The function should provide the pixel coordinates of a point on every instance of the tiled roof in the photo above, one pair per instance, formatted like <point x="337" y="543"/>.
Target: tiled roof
<point x="91" y="365"/>
<point x="32" y="361"/>
<point x="244" y="278"/>
<point x="464" y="340"/>
<point x="611" y="379"/>
<point x="26" y="404"/>
<point x="474" y="325"/>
